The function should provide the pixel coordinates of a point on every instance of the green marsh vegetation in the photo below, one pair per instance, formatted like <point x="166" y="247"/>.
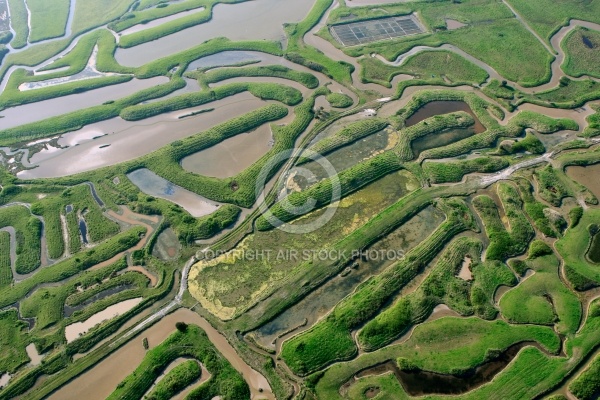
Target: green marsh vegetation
<point x="48" y="19"/>
<point x="176" y="380"/>
<point x="448" y="345"/>
<point x="6" y="276"/>
<point x="28" y="237"/>
<point x="581" y="59"/>
<point x="434" y="67"/>
<point x="547" y="17"/>
<point x="442" y="286"/>
<point x="505" y="241"/>
<point x="13" y="341"/>
<point x="74" y="265"/>
<point x="587" y="385"/>
<point x="225" y="381"/>
<point x="454" y="171"/>
<point x="300" y="352"/>
<point x="542" y="299"/>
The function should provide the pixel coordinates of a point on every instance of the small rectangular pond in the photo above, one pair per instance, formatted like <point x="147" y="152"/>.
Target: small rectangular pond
<point x="74" y="331"/>
<point x="156" y="186"/>
<point x="231" y="156"/>
<point x="434" y="108"/>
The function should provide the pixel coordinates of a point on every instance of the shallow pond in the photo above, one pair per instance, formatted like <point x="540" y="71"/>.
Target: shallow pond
<point x="34" y="357"/>
<point x="106" y="374"/>
<point x="83" y="230"/>
<point x="156" y="186"/>
<point x="587" y="176"/>
<point x="4" y="379"/>
<point x="224" y="58"/>
<point x="78" y="329"/>
<point x="129" y="140"/>
<point x="231" y="156"/>
<point x="159" y="21"/>
<point x="68" y="310"/>
<point x="27" y="113"/>
<point x="434" y="108"/>
<point x="252" y="20"/>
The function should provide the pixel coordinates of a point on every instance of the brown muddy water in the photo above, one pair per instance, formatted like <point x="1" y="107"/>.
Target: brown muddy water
<point x="34" y="357"/>
<point x="443" y="107"/>
<point x="154" y="185"/>
<point x="78" y="329"/>
<point x="129" y="140"/>
<point x="587" y="176"/>
<point x="231" y="156"/>
<point x="419" y="382"/>
<point x="107" y="374"/>
<point x="27" y="113"/>
<point x="452" y="24"/>
<point x="323" y="299"/>
<point x="253" y="20"/>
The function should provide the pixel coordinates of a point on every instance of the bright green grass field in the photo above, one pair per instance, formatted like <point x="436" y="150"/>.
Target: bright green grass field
<point x="580" y="58"/>
<point x="547" y="16"/>
<point x="92" y="13"/>
<point x="5" y="271"/>
<point x="48" y="18"/>
<point x="573" y="246"/>
<point x="543" y="299"/>
<point x="13" y="340"/>
<point x="446" y="345"/>
<point x="425" y="65"/>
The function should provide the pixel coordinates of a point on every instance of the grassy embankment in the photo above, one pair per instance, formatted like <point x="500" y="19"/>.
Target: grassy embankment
<point x="166" y="28"/>
<point x="29" y="234"/>
<point x="442" y="286"/>
<point x="225" y="381"/>
<point x="176" y="380"/>
<point x="505" y="241"/>
<point x="310" y="351"/>
<point x="454" y="171"/>
<point x="443" y="68"/>
<point x="298" y="52"/>
<point x="574" y="246"/>
<point x="587" y="385"/>
<point x="6" y="276"/>
<point x="448" y="345"/>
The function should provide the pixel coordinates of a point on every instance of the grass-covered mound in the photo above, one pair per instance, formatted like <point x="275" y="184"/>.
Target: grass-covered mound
<point x="581" y="48"/>
<point x="193" y="342"/>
